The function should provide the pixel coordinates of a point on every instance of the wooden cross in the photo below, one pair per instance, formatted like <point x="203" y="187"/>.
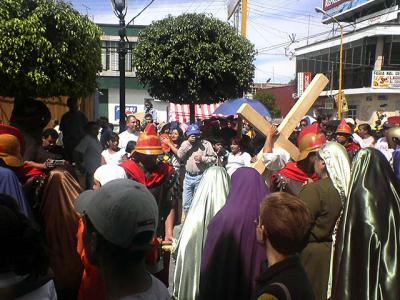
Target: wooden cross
<point x="290" y="122"/>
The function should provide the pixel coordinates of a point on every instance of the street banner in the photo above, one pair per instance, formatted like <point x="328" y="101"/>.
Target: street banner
<point x="385" y="79"/>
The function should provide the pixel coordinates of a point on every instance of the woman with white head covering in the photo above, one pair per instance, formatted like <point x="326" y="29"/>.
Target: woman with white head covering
<point x="209" y="198"/>
<point x="337" y="163"/>
<point x="106" y="173"/>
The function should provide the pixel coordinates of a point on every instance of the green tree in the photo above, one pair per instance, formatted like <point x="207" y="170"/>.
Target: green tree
<point x="268" y="100"/>
<point x="194" y="59"/>
<point x="47" y="49"/>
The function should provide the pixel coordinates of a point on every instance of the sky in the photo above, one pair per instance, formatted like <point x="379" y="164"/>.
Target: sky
<point x="271" y="26"/>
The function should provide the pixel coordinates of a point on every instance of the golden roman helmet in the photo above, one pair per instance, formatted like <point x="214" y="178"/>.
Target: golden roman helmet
<point x="310" y="142"/>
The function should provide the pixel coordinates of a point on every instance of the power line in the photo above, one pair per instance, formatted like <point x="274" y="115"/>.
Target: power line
<point x="288" y="18"/>
<point x="274" y="73"/>
<point x="283" y="10"/>
<point x="263" y="37"/>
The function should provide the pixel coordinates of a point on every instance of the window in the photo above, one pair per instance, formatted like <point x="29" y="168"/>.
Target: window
<point x="352" y="113"/>
<point x="325" y="63"/>
<point x="348" y="58"/>
<point x="370" y="55"/>
<point x="357" y="56"/>
<point x="395" y="54"/>
<point x="110" y="56"/>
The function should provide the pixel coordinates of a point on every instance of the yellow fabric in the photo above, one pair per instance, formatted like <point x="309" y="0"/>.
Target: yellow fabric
<point x="267" y="297"/>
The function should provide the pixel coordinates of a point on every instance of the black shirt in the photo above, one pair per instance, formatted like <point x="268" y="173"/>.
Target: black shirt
<point x="291" y="274"/>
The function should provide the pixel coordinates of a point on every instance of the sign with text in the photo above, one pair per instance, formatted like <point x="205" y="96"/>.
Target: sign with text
<point x="385" y="79"/>
<point x="303" y="81"/>
<point x="339" y="7"/>
<point x="129" y="110"/>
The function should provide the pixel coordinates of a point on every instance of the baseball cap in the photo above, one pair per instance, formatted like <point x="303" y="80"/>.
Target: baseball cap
<point x="120" y="210"/>
<point x="193" y="129"/>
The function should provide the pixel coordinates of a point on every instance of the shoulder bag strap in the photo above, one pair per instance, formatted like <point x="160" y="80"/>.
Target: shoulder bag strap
<point x="284" y="288"/>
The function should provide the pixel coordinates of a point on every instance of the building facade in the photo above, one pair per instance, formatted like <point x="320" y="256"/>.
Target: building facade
<point x="107" y="96"/>
<point x="371" y="59"/>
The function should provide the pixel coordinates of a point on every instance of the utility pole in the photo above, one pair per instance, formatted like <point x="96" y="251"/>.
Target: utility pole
<point x="244" y="18"/>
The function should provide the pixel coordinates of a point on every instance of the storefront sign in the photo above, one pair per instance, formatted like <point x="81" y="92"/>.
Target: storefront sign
<point x="129" y="110"/>
<point x="303" y="81"/>
<point x="385" y="79"/>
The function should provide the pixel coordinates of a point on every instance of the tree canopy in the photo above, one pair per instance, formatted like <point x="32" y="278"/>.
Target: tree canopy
<point x="47" y="49"/>
<point x="268" y="100"/>
<point x="194" y="58"/>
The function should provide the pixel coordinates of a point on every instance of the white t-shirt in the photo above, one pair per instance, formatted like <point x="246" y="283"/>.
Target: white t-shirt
<point x="157" y="291"/>
<point x="125" y="137"/>
<point x="45" y="292"/>
<point x="242" y="159"/>
<point x="382" y="145"/>
<point x="113" y="158"/>
<point x="368" y="142"/>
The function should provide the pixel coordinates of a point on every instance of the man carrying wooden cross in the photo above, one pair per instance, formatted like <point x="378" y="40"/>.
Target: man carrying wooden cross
<point x="278" y="148"/>
<point x="293" y="176"/>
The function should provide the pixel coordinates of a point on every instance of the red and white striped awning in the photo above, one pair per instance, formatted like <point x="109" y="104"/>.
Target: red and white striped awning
<point x="181" y="112"/>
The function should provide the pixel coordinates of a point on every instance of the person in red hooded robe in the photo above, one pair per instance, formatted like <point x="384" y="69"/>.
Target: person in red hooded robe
<point x="294" y="175"/>
<point x="158" y="177"/>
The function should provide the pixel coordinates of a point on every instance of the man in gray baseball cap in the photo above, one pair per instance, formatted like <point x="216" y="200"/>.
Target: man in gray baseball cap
<point x="120" y="220"/>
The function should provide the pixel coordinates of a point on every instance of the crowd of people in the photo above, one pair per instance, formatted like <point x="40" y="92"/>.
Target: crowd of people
<point x="175" y="211"/>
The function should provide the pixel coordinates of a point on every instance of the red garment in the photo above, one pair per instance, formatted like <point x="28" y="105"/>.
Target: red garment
<point x="137" y="174"/>
<point x="92" y="284"/>
<point x="292" y="171"/>
<point x="25" y="172"/>
<point x="352" y="147"/>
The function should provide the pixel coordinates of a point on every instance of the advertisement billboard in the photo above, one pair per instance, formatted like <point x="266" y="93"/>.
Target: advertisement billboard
<point x="341" y="9"/>
<point x="385" y="80"/>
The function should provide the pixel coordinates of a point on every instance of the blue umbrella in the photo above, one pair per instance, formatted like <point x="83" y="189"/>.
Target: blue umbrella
<point x="230" y="107"/>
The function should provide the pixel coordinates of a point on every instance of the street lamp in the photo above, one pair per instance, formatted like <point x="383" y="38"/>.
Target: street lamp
<point x="120" y="9"/>
<point x="339" y="99"/>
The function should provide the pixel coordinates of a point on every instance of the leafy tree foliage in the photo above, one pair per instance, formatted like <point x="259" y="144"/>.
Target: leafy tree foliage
<point x="194" y="58"/>
<point x="268" y="100"/>
<point x="47" y="49"/>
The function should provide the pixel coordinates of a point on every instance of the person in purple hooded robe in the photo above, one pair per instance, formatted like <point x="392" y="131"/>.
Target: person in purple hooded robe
<point x="10" y="185"/>
<point x="232" y="257"/>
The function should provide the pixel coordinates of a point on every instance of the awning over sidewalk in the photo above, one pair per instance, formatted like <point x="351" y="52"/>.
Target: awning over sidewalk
<point x="181" y="112"/>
